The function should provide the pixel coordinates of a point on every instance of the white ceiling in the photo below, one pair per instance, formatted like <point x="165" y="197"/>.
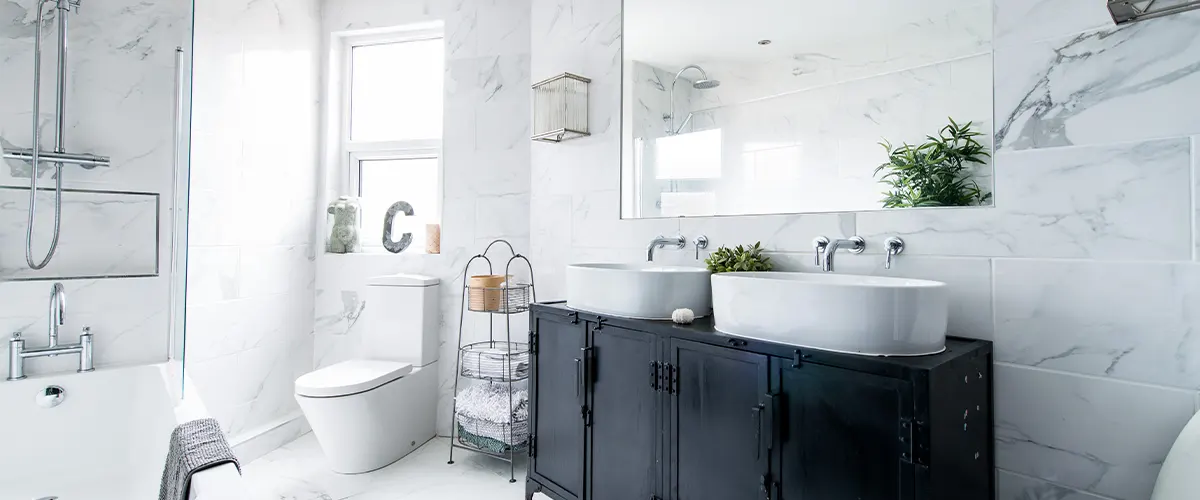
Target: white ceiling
<point x="674" y="33"/>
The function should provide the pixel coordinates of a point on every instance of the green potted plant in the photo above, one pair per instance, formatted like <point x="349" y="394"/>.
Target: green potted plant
<point x="936" y="173"/>
<point x="739" y="259"/>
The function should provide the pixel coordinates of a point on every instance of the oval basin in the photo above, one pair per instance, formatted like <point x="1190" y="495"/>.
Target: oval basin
<point x="868" y="315"/>
<point x="641" y="291"/>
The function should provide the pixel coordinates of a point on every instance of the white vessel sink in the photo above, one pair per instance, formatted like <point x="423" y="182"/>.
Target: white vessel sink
<point x="836" y="312"/>
<point x="641" y="291"/>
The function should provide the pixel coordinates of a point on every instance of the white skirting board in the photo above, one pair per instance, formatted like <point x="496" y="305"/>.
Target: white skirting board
<point x="253" y="444"/>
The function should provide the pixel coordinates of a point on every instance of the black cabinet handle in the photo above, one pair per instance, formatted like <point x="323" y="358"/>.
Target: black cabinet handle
<point x="756" y="413"/>
<point x="579" y="380"/>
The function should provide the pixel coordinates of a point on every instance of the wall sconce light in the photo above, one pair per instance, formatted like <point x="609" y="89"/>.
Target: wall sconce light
<point x="560" y="108"/>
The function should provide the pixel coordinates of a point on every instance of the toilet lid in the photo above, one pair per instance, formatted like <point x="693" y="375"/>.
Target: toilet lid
<point x="350" y="377"/>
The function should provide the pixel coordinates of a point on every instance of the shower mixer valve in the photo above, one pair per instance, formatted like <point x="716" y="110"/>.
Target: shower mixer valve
<point x="58" y="155"/>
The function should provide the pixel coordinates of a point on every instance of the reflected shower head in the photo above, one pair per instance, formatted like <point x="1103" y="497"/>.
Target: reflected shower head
<point x="704" y="83"/>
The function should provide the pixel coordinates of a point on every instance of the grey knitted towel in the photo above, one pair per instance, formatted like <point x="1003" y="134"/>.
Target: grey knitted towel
<point x="195" y="446"/>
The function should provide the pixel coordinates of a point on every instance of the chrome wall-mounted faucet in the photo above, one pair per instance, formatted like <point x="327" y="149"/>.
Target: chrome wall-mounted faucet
<point x="17" y="353"/>
<point x="678" y="242"/>
<point x="826" y="248"/>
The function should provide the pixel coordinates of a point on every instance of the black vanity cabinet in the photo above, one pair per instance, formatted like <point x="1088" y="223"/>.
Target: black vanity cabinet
<point x="717" y="436"/>
<point x="557" y="400"/>
<point x="631" y="409"/>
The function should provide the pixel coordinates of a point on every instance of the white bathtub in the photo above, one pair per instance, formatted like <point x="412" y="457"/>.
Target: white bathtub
<point x="106" y="441"/>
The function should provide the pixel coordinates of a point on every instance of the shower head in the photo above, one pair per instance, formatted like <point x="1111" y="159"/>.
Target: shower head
<point x="704" y="83"/>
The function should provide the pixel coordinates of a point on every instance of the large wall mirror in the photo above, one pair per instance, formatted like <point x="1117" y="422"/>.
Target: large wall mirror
<point x="781" y="106"/>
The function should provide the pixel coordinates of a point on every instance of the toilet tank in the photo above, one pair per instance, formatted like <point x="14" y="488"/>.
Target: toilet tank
<point x="401" y="318"/>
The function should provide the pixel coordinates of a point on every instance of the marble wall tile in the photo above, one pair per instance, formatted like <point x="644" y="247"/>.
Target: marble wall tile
<point x="254" y="161"/>
<point x="1048" y="425"/>
<point x="347" y="15"/>
<point x="1012" y="486"/>
<point x="214" y="274"/>
<point x="780" y="233"/>
<point x="487" y="27"/>
<point x="1123" y="84"/>
<point x="1025" y="21"/>
<point x="1112" y="202"/>
<point x="1133" y="321"/>
<point x="101" y="234"/>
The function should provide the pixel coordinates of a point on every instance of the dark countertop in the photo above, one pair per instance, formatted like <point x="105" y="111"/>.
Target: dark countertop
<point x="702" y="331"/>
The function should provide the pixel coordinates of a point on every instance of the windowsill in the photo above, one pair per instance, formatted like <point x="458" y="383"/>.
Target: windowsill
<point x="376" y="252"/>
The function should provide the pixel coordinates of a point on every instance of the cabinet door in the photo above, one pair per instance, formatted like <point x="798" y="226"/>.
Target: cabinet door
<point x="624" y="433"/>
<point x="558" y="400"/>
<point x="840" y="434"/>
<point x="717" y="423"/>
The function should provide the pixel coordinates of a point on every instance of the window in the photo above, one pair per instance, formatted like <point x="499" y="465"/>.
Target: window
<point x="392" y="129"/>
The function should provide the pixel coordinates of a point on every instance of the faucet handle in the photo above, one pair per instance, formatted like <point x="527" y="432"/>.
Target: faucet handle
<point x="701" y="242"/>
<point x="820" y="243"/>
<point x="894" y="246"/>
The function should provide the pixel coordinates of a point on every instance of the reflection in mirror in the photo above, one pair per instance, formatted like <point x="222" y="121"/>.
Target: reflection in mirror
<point x="785" y="106"/>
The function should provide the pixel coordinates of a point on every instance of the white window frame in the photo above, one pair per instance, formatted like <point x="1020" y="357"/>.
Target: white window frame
<point x="351" y="152"/>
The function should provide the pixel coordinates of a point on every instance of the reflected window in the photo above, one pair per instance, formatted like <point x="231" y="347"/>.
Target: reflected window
<point x="688" y="156"/>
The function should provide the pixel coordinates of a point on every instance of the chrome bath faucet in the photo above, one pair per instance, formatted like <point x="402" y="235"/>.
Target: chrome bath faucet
<point x="17" y="353"/>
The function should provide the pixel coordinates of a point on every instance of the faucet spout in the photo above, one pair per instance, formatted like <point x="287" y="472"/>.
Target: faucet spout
<point x="855" y="245"/>
<point x="662" y="241"/>
<point x="58" y="312"/>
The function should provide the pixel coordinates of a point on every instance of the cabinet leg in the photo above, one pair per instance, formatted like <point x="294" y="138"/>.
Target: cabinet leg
<point x="531" y="488"/>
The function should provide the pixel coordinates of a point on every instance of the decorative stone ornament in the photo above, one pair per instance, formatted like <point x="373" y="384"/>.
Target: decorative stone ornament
<point x="388" y="243"/>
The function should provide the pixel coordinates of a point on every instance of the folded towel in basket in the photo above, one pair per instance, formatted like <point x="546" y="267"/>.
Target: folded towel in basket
<point x="195" y="446"/>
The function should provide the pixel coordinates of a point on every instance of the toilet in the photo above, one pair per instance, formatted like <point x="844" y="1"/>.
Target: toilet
<point x="369" y="412"/>
<point x="1178" y="478"/>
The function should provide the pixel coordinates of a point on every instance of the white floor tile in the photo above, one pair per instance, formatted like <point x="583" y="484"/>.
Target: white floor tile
<point x="297" y="471"/>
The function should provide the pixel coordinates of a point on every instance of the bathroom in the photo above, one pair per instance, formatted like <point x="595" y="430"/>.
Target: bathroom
<point x="198" y="254"/>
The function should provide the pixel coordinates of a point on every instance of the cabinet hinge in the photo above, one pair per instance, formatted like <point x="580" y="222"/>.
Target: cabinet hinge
<point x="574" y="317"/>
<point x="798" y="358"/>
<point x="600" y="323"/>
<point x="768" y="487"/>
<point x="671" y="379"/>
<point x="587" y="416"/>
<point x="912" y="451"/>
<point x="532" y="446"/>
<point x="533" y="342"/>
<point x="654" y="367"/>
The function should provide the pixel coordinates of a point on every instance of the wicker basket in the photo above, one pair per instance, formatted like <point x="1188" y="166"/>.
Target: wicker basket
<point x="504" y="299"/>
